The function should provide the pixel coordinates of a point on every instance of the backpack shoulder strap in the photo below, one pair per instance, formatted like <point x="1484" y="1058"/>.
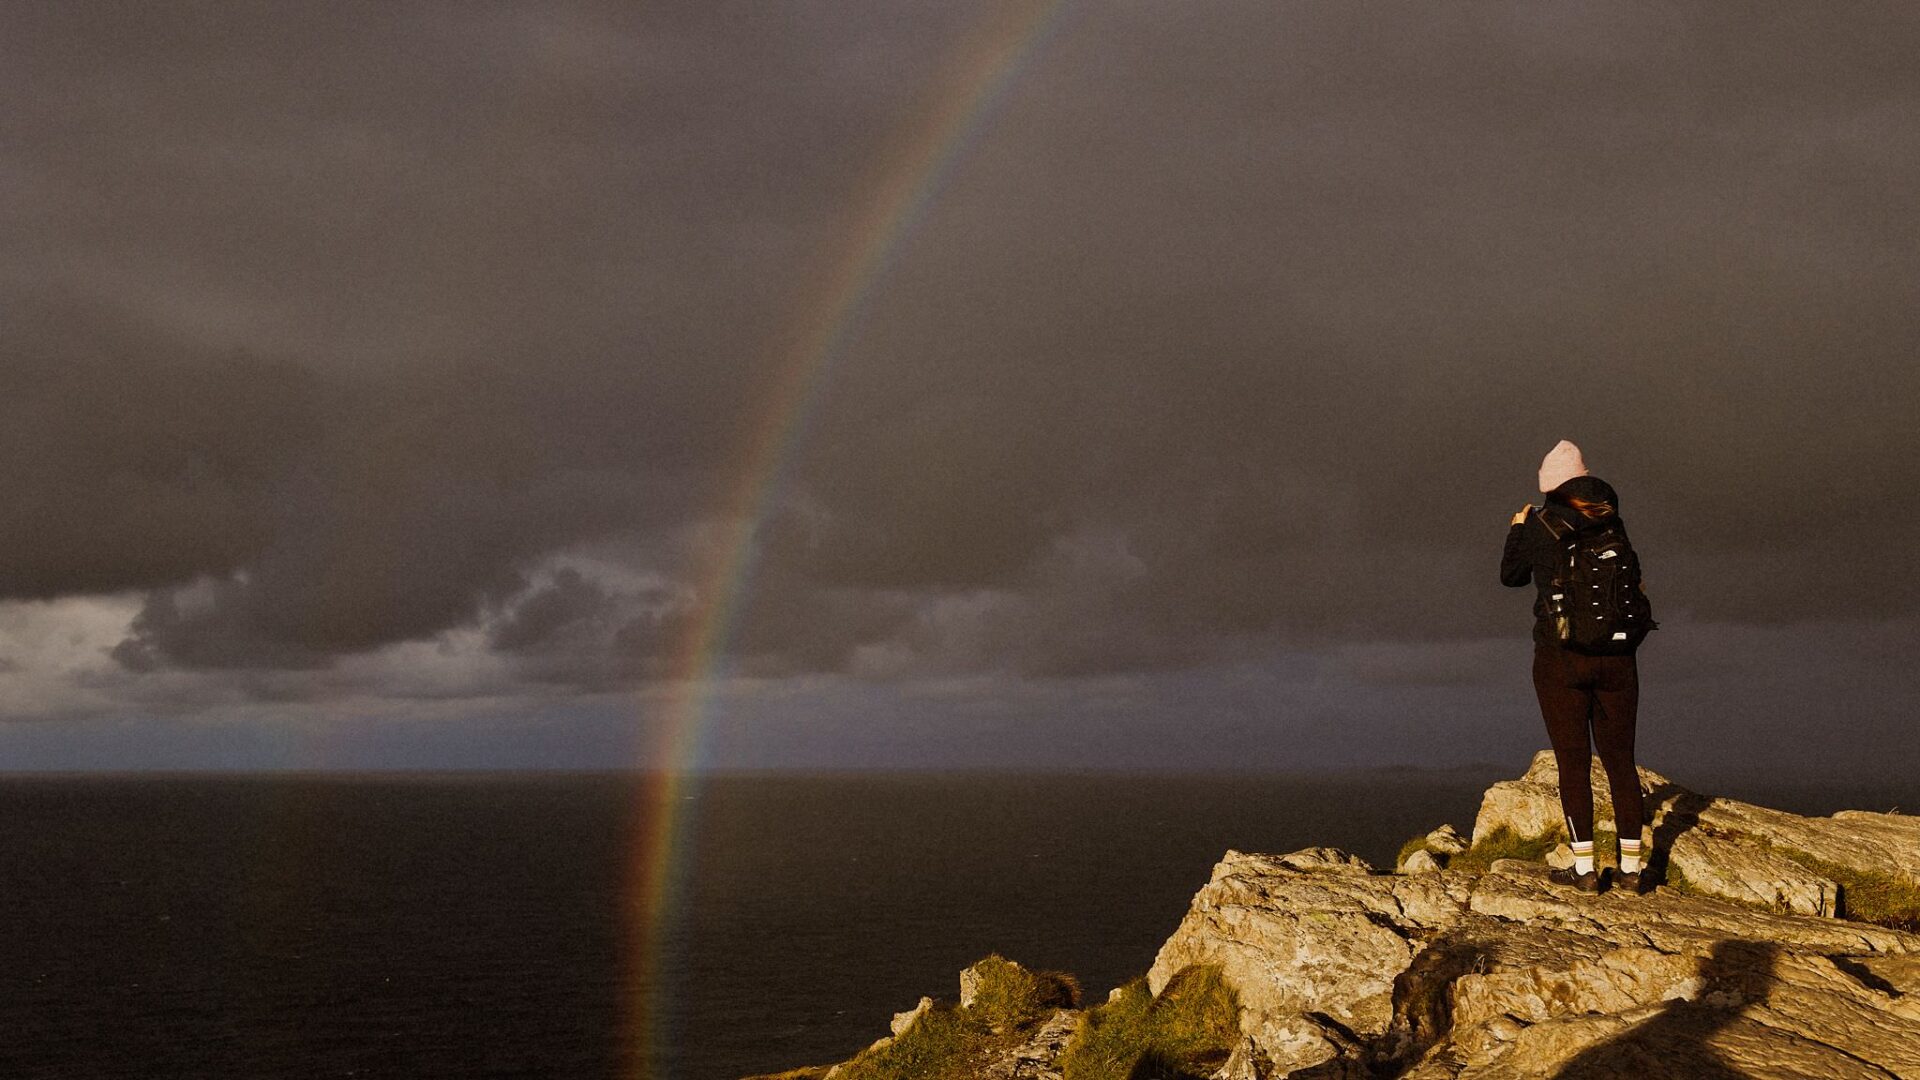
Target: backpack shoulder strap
<point x="1548" y="522"/>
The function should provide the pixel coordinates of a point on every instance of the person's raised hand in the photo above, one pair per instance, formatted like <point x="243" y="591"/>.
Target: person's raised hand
<point x="1522" y="515"/>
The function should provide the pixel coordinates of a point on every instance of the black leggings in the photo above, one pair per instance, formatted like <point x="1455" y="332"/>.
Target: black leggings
<point x="1579" y="693"/>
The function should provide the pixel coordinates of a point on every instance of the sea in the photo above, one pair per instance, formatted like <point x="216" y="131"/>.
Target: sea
<point x="482" y="925"/>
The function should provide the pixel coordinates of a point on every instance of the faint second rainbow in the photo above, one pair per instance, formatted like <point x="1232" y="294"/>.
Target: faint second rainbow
<point x="911" y="173"/>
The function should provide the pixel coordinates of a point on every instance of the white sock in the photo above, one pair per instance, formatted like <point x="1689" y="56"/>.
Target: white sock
<point x="1629" y="856"/>
<point x="1583" y="856"/>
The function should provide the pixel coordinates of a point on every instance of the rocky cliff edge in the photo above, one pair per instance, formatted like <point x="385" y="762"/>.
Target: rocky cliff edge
<point x="1460" y="967"/>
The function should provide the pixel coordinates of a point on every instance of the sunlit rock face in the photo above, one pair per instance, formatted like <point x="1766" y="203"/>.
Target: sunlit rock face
<point x="1723" y="847"/>
<point x="1505" y="974"/>
<point x="1737" y="967"/>
<point x="1440" y="973"/>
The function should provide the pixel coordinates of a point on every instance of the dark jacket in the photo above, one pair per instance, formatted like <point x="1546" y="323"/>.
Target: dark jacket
<point x="1533" y="553"/>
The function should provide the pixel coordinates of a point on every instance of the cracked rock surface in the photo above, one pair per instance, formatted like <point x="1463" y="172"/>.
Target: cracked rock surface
<point x="1343" y="971"/>
<point x="1723" y="847"/>
<point x="1450" y="975"/>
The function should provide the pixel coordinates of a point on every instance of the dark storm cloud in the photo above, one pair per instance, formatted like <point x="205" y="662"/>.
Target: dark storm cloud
<point x="333" y="327"/>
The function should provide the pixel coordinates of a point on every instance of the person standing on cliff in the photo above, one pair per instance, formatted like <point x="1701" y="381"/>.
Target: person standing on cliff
<point x="1588" y="701"/>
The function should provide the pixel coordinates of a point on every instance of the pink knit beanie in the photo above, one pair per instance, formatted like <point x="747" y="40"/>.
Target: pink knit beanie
<point x="1561" y="464"/>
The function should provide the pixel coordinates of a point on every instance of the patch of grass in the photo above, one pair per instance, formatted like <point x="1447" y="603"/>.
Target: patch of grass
<point x="1189" y="1030"/>
<point x="1605" y="841"/>
<point x="1507" y="844"/>
<point x="948" y="1042"/>
<point x="1010" y="995"/>
<point x="942" y="1045"/>
<point x="1503" y="844"/>
<point x="1867" y="895"/>
<point x="1673" y="879"/>
<point x="1418" y="843"/>
<point x="811" y="1072"/>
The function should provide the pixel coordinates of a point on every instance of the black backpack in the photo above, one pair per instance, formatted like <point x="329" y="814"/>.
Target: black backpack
<point x="1595" y="603"/>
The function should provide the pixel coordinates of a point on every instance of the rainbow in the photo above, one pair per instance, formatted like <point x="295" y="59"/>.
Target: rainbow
<point x="895" y="201"/>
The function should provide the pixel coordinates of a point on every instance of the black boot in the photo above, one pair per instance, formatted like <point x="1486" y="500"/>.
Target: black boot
<point x="1593" y="881"/>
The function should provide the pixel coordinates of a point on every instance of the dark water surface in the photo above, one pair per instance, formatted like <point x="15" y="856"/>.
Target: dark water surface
<point x="470" y="926"/>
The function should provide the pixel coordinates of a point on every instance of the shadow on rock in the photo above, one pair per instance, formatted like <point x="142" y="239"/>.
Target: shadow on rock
<point x="1678" y="811"/>
<point x="1865" y="975"/>
<point x="1674" y="1042"/>
<point x="1422" y="1006"/>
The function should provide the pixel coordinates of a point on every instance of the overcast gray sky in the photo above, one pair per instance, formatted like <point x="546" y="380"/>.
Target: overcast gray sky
<point x="374" y="377"/>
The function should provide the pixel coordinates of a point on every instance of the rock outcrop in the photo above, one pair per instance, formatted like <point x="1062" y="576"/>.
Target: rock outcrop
<point x="1038" y="1056"/>
<point x="1457" y="969"/>
<point x="1446" y="842"/>
<point x="1723" y="847"/>
<point x="1345" y="973"/>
